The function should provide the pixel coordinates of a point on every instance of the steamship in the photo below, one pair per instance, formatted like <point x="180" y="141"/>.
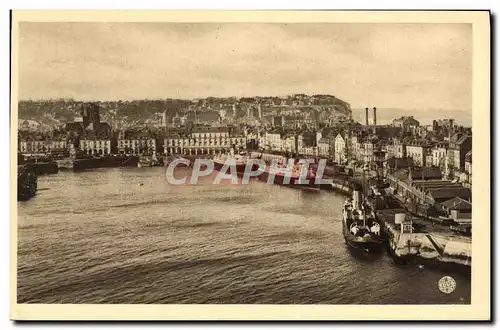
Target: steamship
<point x="239" y="161"/>
<point x="359" y="223"/>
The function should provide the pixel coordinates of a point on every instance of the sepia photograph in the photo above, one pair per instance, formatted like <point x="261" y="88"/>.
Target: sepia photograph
<point x="319" y="159"/>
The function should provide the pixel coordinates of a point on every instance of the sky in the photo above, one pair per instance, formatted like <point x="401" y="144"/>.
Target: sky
<point x="408" y="66"/>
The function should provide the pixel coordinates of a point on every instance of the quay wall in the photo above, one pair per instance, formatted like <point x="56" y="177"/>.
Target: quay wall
<point x="106" y="161"/>
<point x="429" y="248"/>
<point x="42" y="168"/>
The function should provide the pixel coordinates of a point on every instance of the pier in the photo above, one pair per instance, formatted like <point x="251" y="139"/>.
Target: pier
<point x="412" y="239"/>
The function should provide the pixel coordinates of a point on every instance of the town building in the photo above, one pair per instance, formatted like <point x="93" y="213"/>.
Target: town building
<point x="396" y="148"/>
<point x="33" y="146"/>
<point x="324" y="147"/>
<point x="288" y="144"/>
<point x="340" y="149"/>
<point x="468" y="168"/>
<point x="419" y="151"/>
<point x="439" y="152"/>
<point x="96" y="146"/>
<point x="459" y="146"/>
<point x="205" y="140"/>
<point x="271" y="141"/>
<point x="138" y="146"/>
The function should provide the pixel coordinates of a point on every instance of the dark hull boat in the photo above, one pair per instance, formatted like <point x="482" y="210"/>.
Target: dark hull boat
<point x="359" y="226"/>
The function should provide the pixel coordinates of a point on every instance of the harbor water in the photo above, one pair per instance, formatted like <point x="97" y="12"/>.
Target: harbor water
<point x="125" y="235"/>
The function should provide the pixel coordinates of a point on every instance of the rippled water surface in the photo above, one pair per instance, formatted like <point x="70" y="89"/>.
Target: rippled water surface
<point x="127" y="236"/>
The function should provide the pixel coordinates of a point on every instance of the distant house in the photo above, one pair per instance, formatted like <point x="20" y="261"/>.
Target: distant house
<point x="406" y="123"/>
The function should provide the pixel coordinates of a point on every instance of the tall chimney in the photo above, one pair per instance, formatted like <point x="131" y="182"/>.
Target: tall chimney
<point x="374" y="116"/>
<point x="366" y="116"/>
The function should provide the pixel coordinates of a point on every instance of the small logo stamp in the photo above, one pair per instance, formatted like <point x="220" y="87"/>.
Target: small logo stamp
<point x="447" y="284"/>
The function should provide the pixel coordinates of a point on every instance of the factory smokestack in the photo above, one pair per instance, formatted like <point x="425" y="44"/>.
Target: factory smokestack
<point x="366" y="116"/>
<point x="374" y="116"/>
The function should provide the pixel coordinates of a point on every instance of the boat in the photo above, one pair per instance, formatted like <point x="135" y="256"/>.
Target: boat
<point x="27" y="183"/>
<point x="144" y="162"/>
<point x="359" y="222"/>
<point x="240" y="161"/>
<point x="359" y="225"/>
<point x="293" y="178"/>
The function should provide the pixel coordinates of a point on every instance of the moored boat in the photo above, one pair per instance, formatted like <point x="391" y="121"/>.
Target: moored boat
<point x="359" y="225"/>
<point x="240" y="161"/>
<point x="294" y="178"/>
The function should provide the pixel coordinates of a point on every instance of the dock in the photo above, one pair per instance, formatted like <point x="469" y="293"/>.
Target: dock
<point x="412" y="239"/>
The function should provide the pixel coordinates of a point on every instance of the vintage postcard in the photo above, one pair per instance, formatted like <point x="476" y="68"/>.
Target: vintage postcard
<point x="250" y="165"/>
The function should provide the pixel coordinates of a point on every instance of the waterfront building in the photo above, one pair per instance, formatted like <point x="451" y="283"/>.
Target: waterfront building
<point x="288" y="144"/>
<point x="33" y="146"/>
<point x="205" y="140"/>
<point x="54" y="145"/>
<point x="95" y="146"/>
<point x="323" y="147"/>
<point x="138" y="146"/>
<point x="272" y="141"/>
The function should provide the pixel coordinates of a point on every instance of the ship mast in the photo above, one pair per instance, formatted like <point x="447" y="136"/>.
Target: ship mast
<point x="363" y="184"/>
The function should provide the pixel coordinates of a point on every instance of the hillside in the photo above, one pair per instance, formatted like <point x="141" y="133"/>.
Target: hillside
<point x="57" y="112"/>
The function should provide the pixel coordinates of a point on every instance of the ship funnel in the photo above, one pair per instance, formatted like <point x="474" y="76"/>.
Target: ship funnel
<point x="399" y="218"/>
<point x="356" y="199"/>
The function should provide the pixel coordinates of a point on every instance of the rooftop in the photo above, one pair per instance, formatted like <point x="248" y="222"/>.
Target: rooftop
<point x="457" y="203"/>
<point x="444" y="194"/>
<point x="426" y="173"/>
